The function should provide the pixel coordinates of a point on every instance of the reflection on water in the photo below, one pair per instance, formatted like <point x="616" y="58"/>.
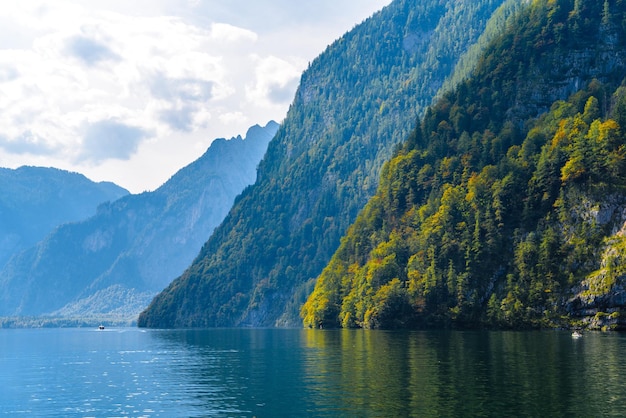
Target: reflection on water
<point x="475" y="373"/>
<point x="273" y="372"/>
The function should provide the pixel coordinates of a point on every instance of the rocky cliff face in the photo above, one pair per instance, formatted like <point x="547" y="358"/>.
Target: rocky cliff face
<point x="599" y="302"/>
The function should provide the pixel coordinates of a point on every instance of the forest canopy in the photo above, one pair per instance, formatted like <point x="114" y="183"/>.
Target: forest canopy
<point x="494" y="211"/>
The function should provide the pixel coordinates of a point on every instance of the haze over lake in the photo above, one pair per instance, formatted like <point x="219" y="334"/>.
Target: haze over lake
<point x="296" y="372"/>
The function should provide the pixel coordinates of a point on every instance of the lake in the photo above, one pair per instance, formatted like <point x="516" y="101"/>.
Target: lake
<point x="296" y="372"/>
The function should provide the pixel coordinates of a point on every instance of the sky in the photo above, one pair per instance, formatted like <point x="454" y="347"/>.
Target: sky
<point x="132" y="91"/>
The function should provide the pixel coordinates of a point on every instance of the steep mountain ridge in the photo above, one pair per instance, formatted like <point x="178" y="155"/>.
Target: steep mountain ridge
<point x="113" y="263"/>
<point x="505" y="207"/>
<point x="355" y="102"/>
<point x="35" y="200"/>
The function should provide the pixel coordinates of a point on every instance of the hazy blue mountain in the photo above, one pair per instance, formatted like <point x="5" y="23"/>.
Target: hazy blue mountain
<point x="355" y="103"/>
<point x="113" y="263"/>
<point x="35" y="200"/>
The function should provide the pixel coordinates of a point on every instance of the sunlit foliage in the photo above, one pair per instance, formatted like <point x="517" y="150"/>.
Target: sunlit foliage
<point x="477" y="219"/>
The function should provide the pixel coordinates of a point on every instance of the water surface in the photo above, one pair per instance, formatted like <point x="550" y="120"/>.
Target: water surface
<point x="278" y="372"/>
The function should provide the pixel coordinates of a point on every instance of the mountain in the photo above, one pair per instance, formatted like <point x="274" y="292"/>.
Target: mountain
<point x="506" y="207"/>
<point x="112" y="264"/>
<point x="35" y="200"/>
<point x="355" y="103"/>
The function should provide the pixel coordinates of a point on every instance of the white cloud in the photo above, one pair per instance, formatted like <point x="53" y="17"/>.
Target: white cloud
<point x="233" y="117"/>
<point x="131" y="91"/>
<point x="223" y="32"/>
<point x="126" y="65"/>
<point x="275" y="81"/>
<point x="110" y="139"/>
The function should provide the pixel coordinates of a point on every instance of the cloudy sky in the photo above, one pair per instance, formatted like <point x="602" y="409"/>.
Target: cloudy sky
<point x="132" y="91"/>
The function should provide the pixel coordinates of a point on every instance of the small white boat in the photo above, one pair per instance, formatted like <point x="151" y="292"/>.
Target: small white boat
<point x="576" y="334"/>
<point x="101" y="327"/>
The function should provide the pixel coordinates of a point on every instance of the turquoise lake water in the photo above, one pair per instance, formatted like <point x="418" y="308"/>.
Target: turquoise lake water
<point x="302" y="373"/>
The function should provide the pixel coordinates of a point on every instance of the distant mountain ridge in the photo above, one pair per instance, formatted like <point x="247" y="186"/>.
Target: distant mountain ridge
<point x="111" y="264"/>
<point x="35" y="200"/>
<point x="355" y="102"/>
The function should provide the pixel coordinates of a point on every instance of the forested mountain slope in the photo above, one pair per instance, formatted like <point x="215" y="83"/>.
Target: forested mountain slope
<point x="112" y="264"/>
<point x="35" y="200"/>
<point x="355" y="102"/>
<point x="507" y="206"/>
